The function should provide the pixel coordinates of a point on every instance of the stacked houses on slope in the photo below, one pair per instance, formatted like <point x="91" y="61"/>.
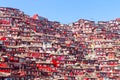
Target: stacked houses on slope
<point x="34" y="48"/>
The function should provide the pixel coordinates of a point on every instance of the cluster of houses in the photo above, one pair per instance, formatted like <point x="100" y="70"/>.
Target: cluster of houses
<point x="34" y="48"/>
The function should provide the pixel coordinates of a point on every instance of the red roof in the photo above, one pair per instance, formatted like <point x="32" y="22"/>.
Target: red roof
<point x="35" y="16"/>
<point x="3" y="65"/>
